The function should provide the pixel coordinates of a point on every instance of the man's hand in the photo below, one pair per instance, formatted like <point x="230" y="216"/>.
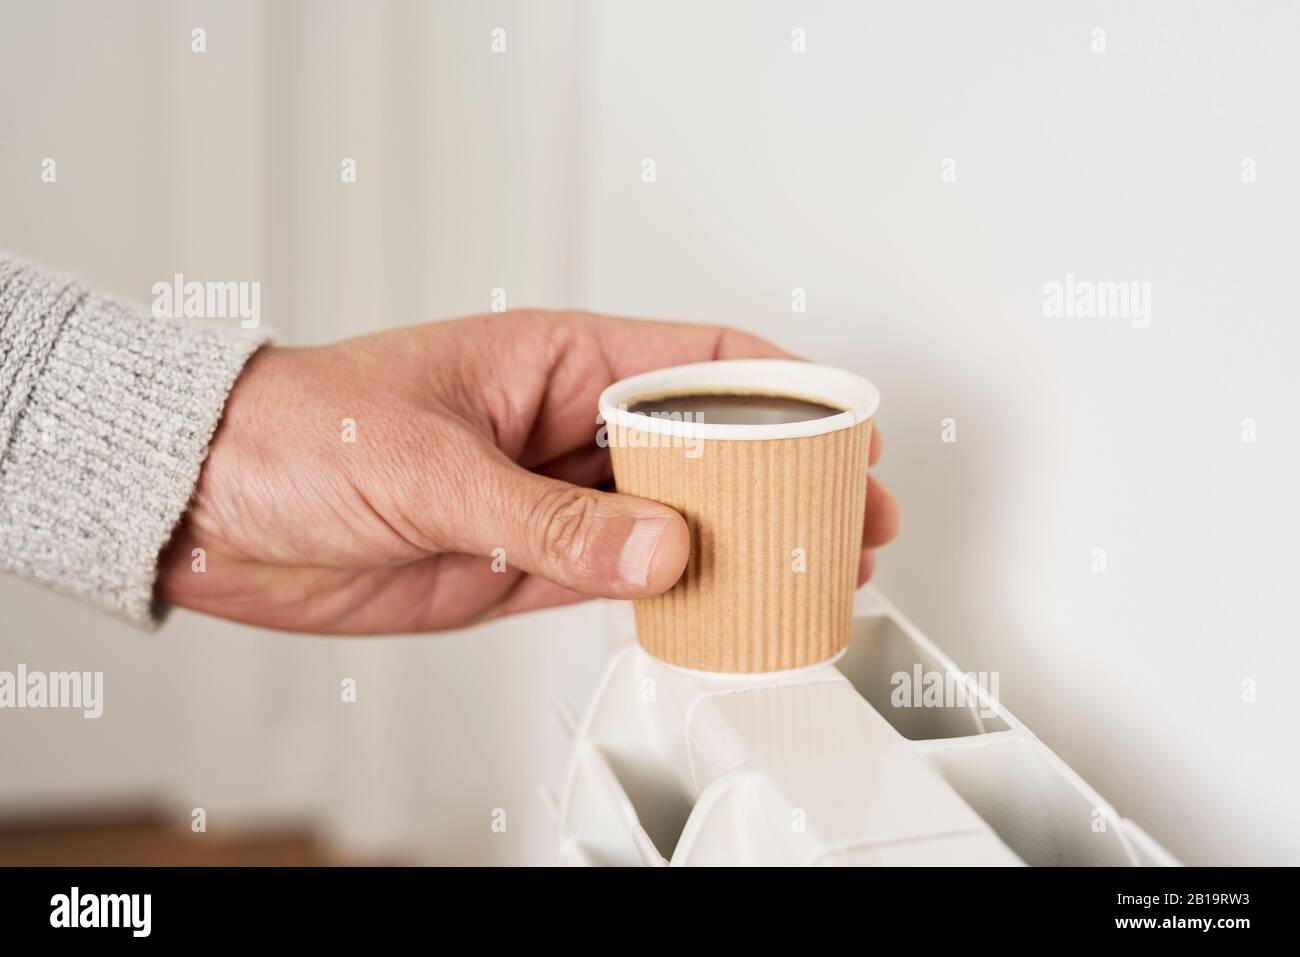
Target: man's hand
<point x="467" y="437"/>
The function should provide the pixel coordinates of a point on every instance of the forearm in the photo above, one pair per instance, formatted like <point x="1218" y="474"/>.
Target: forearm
<point x="105" y="418"/>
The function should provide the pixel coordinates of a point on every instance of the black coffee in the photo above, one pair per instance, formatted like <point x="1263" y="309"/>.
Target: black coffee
<point x="735" y="409"/>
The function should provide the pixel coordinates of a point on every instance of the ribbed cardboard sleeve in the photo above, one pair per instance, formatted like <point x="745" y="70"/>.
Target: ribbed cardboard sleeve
<point x="776" y="534"/>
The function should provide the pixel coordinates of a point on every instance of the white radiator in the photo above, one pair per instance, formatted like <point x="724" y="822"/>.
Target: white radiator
<point x="820" y="766"/>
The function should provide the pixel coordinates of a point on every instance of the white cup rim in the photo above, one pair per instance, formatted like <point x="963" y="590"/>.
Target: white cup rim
<point x="785" y="378"/>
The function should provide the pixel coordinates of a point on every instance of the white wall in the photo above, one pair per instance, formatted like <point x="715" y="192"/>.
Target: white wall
<point x="777" y="170"/>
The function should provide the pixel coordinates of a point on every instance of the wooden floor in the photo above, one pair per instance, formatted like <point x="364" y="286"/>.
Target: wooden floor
<point x="145" y="839"/>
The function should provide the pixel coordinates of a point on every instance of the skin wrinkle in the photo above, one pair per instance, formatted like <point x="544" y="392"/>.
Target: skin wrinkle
<point x="512" y="403"/>
<point x="464" y="485"/>
<point x="373" y="513"/>
<point x="719" y="343"/>
<point x="402" y="475"/>
<point x="418" y="602"/>
<point x="490" y="397"/>
<point x="525" y="396"/>
<point x="512" y="426"/>
<point x="561" y="346"/>
<point x="339" y="605"/>
<point x="564" y="517"/>
<point x="244" y="487"/>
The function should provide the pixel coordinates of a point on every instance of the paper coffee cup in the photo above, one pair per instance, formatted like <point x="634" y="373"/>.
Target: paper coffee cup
<point x="774" y="510"/>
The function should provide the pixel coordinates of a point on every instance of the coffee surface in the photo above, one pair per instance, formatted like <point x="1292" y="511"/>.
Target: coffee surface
<point x="735" y="409"/>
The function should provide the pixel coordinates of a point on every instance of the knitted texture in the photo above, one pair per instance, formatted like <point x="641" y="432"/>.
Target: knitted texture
<point x="105" y="418"/>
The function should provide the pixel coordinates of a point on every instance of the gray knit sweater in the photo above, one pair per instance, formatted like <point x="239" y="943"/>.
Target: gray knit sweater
<point x="105" y="418"/>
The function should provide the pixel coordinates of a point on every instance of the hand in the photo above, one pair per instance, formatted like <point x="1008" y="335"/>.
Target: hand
<point x="470" y="436"/>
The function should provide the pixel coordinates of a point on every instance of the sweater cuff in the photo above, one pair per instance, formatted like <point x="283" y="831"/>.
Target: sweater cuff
<point x="106" y="414"/>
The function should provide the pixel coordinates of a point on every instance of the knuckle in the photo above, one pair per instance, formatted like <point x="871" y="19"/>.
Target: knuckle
<point x="565" y="521"/>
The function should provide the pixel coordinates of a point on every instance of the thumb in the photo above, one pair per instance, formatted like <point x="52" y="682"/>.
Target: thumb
<point x="597" y="543"/>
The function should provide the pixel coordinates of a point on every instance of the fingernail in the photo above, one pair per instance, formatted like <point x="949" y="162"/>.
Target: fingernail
<point x="639" y="550"/>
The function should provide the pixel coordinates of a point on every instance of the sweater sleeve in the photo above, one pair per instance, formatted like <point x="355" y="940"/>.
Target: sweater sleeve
<point x="105" y="418"/>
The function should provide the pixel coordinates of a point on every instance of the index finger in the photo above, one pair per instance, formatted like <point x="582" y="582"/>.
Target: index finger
<point x="631" y="346"/>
